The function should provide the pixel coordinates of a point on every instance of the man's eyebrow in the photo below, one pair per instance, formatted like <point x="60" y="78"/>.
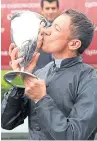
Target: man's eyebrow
<point x="47" y="7"/>
<point x="57" y="25"/>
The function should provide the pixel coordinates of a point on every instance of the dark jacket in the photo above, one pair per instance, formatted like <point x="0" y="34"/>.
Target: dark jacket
<point x="43" y="60"/>
<point x="67" y="112"/>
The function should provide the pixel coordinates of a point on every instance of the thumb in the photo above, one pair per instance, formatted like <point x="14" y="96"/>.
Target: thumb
<point x="33" y="63"/>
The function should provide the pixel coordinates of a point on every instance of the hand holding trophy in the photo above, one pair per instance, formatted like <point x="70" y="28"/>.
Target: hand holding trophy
<point x="24" y="54"/>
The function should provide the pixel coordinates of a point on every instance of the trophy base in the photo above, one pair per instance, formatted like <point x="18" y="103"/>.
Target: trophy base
<point x="15" y="78"/>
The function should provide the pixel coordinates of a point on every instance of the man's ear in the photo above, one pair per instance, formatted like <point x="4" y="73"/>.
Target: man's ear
<point x="74" y="44"/>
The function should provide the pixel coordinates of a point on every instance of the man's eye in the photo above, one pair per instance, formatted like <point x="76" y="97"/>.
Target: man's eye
<point x="53" y="8"/>
<point x="47" y="8"/>
<point x="57" y="28"/>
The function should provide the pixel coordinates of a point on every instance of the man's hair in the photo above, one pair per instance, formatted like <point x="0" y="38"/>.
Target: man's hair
<point x="42" y="2"/>
<point x="81" y="28"/>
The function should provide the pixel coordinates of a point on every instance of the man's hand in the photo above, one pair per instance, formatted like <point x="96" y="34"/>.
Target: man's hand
<point x="34" y="88"/>
<point x="13" y="52"/>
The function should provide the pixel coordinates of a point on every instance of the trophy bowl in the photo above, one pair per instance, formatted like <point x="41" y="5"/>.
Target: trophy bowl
<point x="24" y="33"/>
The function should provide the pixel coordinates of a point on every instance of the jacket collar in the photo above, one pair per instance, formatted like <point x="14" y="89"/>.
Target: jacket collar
<point x="66" y="63"/>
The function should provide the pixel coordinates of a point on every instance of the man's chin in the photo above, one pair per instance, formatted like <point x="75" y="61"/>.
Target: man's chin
<point x="50" y="20"/>
<point x="44" y="49"/>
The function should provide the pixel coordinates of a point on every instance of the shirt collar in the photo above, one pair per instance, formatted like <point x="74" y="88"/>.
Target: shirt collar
<point x="61" y="63"/>
<point x="58" y="62"/>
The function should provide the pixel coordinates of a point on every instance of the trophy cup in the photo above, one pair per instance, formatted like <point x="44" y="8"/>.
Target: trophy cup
<point x="24" y="33"/>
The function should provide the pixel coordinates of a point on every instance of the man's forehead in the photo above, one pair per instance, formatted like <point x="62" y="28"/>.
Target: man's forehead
<point x="50" y="4"/>
<point x="63" y="19"/>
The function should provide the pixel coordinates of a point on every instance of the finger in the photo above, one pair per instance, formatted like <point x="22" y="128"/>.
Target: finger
<point x="41" y="29"/>
<point x="27" y="90"/>
<point x="19" y="60"/>
<point x="42" y="25"/>
<point x="11" y="47"/>
<point x="40" y="41"/>
<point x="29" y="80"/>
<point x="39" y="44"/>
<point x="40" y="36"/>
<point x="33" y="62"/>
<point x="15" y="64"/>
<point x="14" y="54"/>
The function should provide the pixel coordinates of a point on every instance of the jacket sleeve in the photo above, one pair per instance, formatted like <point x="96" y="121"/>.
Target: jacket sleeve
<point x="13" y="108"/>
<point x="82" y="120"/>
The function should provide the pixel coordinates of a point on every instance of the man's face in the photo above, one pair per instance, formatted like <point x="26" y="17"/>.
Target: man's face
<point x="56" y="37"/>
<point x="50" y="10"/>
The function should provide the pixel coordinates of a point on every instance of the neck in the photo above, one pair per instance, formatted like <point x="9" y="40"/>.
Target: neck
<point x="64" y="55"/>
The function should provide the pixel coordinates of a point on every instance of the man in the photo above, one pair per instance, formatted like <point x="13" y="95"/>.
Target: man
<point x="50" y="10"/>
<point x="62" y="103"/>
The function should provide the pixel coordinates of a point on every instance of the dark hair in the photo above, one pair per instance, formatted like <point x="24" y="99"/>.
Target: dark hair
<point x="42" y="2"/>
<point x="81" y="28"/>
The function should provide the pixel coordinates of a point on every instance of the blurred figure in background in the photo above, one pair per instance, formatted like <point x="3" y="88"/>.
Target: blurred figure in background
<point x="50" y="10"/>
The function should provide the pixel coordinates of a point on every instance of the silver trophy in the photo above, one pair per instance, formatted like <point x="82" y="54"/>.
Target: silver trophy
<point x="24" y="33"/>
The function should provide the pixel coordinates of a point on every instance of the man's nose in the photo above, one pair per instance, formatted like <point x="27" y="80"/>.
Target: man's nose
<point x="50" y="11"/>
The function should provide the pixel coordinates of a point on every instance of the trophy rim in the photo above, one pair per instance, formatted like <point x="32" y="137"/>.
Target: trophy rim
<point x="24" y="11"/>
<point x="17" y="71"/>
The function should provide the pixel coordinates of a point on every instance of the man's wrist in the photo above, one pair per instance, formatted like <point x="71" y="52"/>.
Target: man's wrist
<point x="40" y="99"/>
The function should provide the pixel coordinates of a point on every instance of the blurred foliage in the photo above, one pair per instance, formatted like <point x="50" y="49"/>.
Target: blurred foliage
<point x="3" y="83"/>
<point x="4" y="86"/>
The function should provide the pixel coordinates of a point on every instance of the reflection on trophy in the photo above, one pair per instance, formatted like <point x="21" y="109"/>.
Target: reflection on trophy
<point x="24" y="33"/>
